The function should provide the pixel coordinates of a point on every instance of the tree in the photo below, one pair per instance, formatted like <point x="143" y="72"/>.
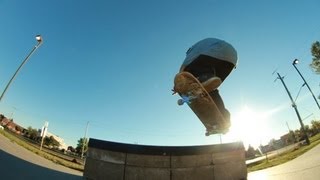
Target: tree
<point x="315" y="126"/>
<point x="32" y="133"/>
<point x="292" y="137"/>
<point x="289" y="138"/>
<point x="315" y="51"/>
<point x="50" y="141"/>
<point x="71" y="149"/>
<point x="81" y="142"/>
<point x="1" y="117"/>
<point x="18" y="128"/>
<point x="298" y="134"/>
<point x="251" y="152"/>
<point x="272" y="143"/>
<point x="307" y="128"/>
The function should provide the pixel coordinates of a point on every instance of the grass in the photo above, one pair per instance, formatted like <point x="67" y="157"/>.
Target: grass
<point x="285" y="157"/>
<point x="48" y="156"/>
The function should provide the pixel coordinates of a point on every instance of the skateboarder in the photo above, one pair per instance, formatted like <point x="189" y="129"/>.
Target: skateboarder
<point x="211" y="60"/>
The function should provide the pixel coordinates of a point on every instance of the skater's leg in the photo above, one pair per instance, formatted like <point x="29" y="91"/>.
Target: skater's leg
<point x="219" y="102"/>
<point x="210" y="83"/>
<point x="210" y="72"/>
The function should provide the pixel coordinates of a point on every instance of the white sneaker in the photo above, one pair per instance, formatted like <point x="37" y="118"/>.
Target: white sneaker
<point x="212" y="83"/>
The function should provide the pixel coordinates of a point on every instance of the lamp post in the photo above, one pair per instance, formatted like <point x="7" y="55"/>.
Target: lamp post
<point x="84" y="142"/>
<point x="296" y="61"/>
<point x="294" y="105"/>
<point x="39" y="40"/>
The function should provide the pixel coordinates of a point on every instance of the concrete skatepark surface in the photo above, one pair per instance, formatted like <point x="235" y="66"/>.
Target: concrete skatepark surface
<point x="18" y="163"/>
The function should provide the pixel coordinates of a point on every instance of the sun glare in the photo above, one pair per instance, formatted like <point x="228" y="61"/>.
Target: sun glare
<point x="249" y="126"/>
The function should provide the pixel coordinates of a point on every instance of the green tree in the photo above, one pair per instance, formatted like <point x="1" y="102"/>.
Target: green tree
<point x="306" y="128"/>
<point x="32" y="133"/>
<point x="1" y="117"/>
<point x="251" y="152"/>
<point x="51" y="141"/>
<point x="71" y="149"/>
<point x="315" y="51"/>
<point x="18" y="128"/>
<point x="315" y="126"/>
<point x="291" y="138"/>
<point x="81" y="142"/>
<point x="297" y="133"/>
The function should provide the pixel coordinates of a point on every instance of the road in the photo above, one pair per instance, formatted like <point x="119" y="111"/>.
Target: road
<point x="306" y="167"/>
<point x="18" y="163"/>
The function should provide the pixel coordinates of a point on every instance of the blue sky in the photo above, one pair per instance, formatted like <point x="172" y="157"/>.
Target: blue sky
<point x="112" y="63"/>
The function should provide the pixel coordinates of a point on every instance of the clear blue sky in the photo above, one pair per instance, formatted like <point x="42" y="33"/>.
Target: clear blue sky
<point x="112" y="63"/>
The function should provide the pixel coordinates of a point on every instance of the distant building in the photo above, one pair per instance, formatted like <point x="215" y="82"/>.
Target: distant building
<point x="277" y="144"/>
<point x="266" y="148"/>
<point x="274" y="145"/>
<point x="63" y="145"/>
<point x="9" y="124"/>
<point x="4" y="121"/>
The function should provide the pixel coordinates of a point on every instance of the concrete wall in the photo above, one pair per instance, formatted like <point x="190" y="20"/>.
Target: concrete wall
<point x="110" y="160"/>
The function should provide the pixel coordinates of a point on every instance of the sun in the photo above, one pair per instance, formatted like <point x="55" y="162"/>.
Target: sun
<point x="249" y="126"/>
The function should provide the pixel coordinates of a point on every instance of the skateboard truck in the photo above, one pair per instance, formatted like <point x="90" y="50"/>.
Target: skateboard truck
<point x="216" y="130"/>
<point x="185" y="99"/>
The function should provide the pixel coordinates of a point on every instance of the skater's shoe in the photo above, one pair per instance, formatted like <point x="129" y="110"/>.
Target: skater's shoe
<point x="212" y="83"/>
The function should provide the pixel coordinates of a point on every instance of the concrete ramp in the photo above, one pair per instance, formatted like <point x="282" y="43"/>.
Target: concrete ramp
<point x="111" y="160"/>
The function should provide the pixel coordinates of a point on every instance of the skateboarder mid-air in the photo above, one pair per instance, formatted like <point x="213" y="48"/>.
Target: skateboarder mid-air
<point x="211" y="60"/>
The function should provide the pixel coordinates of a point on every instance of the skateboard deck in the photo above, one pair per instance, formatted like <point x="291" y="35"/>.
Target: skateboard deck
<point x="194" y="94"/>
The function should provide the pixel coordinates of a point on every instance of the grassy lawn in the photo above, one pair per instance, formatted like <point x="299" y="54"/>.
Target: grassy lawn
<point x="35" y="150"/>
<point x="280" y="159"/>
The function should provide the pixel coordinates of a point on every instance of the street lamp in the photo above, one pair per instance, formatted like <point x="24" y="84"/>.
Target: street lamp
<point x="39" y="40"/>
<point x="294" y="105"/>
<point x="84" y="142"/>
<point x="296" y="61"/>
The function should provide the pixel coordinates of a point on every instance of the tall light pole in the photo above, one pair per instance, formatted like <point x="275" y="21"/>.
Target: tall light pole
<point x="296" y="110"/>
<point x="296" y="61"/>
<point x="39" y="40"/>
<point x="84" y="142"/>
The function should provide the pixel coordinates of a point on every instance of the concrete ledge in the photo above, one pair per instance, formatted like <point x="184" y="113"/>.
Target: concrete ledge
<point x="111" y="160"/>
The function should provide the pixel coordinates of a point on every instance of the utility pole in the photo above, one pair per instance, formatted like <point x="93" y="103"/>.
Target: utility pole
<point x="296" y="110"/>
<point x="84" y="140"/>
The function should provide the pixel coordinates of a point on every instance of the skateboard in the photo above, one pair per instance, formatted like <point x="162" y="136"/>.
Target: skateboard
<point x="194" y="94"/>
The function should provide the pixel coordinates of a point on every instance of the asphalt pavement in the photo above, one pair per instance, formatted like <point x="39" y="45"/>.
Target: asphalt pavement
<point x="18" y="163"/>
<point x="306" y="167"/>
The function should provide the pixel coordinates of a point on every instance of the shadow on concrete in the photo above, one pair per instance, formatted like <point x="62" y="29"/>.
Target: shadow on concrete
<point x="14" y="168"/>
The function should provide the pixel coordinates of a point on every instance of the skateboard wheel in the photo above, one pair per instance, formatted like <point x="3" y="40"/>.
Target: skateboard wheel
<point x="180" y="102"/>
